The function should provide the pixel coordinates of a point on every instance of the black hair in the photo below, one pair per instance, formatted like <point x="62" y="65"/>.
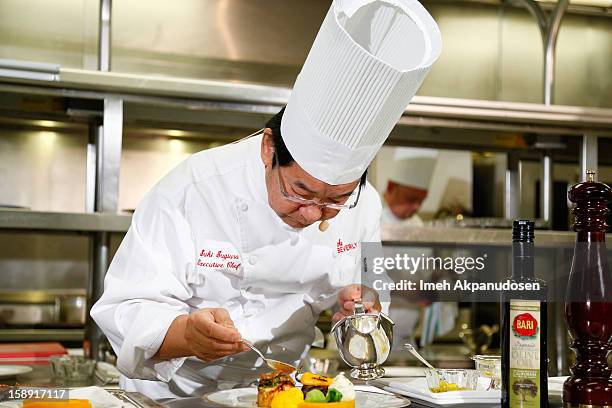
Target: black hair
<point x="284" y="156"/>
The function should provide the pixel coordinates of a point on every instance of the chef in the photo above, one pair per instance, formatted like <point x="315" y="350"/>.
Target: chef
<point x="254" y="239"/>
<point x="411" y="173"/>
<point x="412" y="170"/>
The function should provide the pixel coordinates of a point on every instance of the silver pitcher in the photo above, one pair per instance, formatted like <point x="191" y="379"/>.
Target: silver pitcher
<point x="364" y="341"/>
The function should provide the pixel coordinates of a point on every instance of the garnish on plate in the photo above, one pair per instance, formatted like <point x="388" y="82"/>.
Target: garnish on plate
<point x="317" y="391"/>
<point x="290" y="398"/>
<point x="271" y="384"/>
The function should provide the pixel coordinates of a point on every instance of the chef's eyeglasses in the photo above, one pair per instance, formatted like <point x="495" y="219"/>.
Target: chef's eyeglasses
<point x="351" y="200"/>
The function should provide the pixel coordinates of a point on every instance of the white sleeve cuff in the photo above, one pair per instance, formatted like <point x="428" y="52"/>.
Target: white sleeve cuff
<point x="164" y="370"/>
<point x="143" y="340"/>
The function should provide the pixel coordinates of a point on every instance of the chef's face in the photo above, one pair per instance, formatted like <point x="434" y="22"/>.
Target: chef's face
<point x="297" y="182"/>
<point x="404" y="201"/>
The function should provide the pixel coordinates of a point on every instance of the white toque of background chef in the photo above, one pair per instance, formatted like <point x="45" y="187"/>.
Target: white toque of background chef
<point x="409" y="180"/>
<point x="254" y="239"/>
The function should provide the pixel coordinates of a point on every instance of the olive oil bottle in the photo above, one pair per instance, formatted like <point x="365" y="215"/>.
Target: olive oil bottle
<point x="523" y="337"/>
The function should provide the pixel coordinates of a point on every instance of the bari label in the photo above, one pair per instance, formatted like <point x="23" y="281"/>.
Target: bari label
<point x="525" y="354"/>
<point x="525" y="326"/>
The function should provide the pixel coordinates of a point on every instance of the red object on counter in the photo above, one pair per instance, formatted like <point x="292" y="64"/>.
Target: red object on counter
<point x="29" y="353"/>
<point x="589" y="315"/>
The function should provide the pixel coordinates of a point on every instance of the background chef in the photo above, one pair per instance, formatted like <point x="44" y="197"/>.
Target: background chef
<point x="277" y="205"/>
<point x="408" y="185"/>
<point x="410" y="178"/>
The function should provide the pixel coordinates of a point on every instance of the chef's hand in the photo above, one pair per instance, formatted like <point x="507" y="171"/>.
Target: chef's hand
<point x="350" y="293"/>
<point x="210" y="334"/>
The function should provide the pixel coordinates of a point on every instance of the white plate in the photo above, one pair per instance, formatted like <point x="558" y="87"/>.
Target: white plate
<point x="417" y="389"/>
<point x="7" y="371"/>
<point x="247" y="398"/>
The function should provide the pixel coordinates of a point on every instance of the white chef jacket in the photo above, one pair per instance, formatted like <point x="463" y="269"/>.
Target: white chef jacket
<point x="205" y="237"/>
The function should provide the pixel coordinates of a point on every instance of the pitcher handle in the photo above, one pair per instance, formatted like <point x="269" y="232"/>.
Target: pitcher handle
<point x="359" y="308"/>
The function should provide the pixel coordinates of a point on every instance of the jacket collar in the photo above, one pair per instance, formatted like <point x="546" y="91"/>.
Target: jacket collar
<point x="257" y="178"/>
<point x="256" y="182"/>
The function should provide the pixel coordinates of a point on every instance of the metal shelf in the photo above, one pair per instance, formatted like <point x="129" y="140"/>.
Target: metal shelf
<point x="21" y="335"/>
<point x="58" y="221"/>
<point x="406" y="236"/>
<point x="203" y="96"/>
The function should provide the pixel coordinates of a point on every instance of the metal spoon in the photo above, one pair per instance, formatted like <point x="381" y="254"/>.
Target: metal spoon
<point x="415" y="353"/>
<point x="273" y="364"/>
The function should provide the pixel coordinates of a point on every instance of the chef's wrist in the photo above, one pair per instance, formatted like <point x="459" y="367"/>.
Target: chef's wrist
<point x="175" y="345"/>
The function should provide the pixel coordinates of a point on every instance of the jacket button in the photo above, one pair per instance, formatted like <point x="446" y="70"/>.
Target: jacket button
<point x="244" y="206"/>
<point x="252" y="259"/>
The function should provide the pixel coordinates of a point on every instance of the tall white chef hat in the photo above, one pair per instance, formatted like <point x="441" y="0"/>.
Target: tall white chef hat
<point x="368" y="60"/>
<point x="413" y="167"/>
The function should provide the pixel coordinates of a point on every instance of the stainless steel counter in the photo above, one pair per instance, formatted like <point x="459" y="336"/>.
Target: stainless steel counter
<point x="59" y="221"/>
<point x="401" y="235"/>
<point x="396" y="234"/>
<point x="196" y="402"/>
<point x="41" y="376"/>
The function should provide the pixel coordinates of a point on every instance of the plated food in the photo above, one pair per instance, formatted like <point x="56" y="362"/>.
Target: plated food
<point x="277" y="390"/>
<point x="270" y="385"/>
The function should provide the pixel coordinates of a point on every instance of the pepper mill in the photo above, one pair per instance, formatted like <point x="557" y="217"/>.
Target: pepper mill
<point x="588" y="300"/>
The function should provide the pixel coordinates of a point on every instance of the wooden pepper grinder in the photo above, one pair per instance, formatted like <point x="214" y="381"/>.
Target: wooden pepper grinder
<point x="588" y="301"/>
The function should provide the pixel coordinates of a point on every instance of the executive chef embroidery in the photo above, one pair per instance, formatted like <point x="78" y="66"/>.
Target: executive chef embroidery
<point x="219" y="259"/>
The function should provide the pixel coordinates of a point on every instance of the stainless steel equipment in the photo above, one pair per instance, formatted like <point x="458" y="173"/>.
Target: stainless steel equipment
<point x="480" y="339"/>
<point x="71" y="308"/>
<point x="364" y="341"/>
<point x="42" y="315"/>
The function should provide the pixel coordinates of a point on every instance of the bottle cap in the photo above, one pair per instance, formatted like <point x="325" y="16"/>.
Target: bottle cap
<point x="590" y="176"/>
<point x="591" y="200"/>
<point x="523" y="231"/>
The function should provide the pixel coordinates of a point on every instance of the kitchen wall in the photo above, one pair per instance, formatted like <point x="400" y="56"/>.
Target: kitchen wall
<point x="530" y="173"/>
<point x="31" y="261"/>
<point x="490" y="52"/>
<point x="145" y="160"/>
<point x="45" y="170"/>
<point x="64" y="32"/>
